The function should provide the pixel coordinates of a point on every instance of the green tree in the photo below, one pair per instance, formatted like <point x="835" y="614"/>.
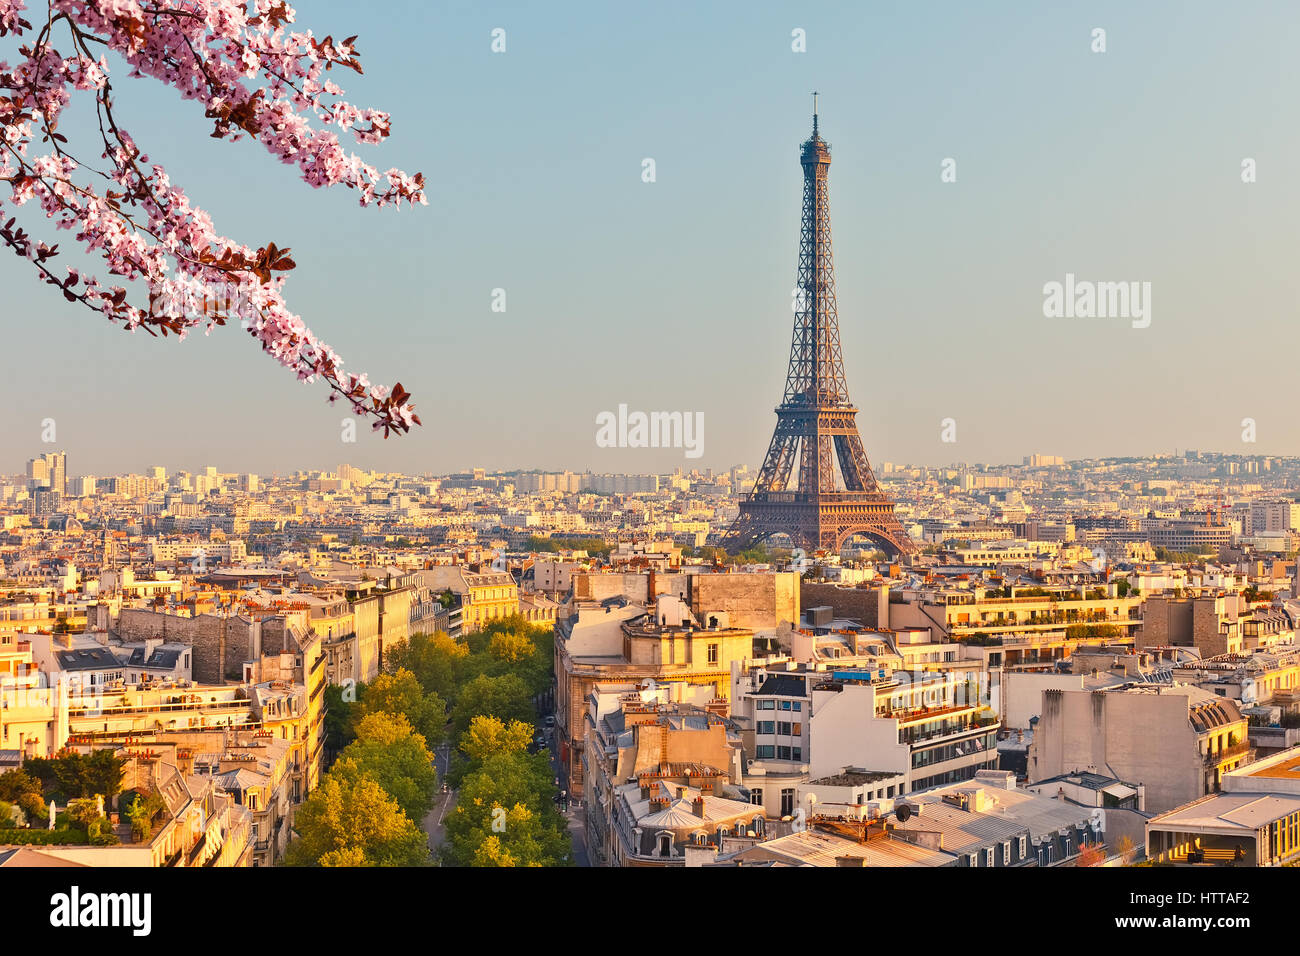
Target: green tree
<point x="401" y="693"/>
<point x="437" y="661"/>
<point x="502" y="648"/>
<point x="353" y="822"/>
<point x="505" y="697"/>
<point x="508" y="799"/>
<point x="73" y="774"/>
<point x="20" y="788"/>
<point x="82" y="811"/>
<point x="488" y="736"/>
<point x="511" y="648"/>
<point x="340" y="716"/>
<point x="142" y="810"/>
<point x="492" y="853"/>
<point x="390" y="752"/>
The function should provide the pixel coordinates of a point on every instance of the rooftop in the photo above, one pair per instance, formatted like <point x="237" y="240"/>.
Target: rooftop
<point x="1288" y="769"/>
<point x="1244" y="812"/>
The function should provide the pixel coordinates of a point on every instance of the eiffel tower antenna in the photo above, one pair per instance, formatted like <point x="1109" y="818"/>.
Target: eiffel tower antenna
<point x="816" y="423"/>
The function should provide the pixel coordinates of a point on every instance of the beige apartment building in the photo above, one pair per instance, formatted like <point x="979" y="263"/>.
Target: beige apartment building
<point x="486" y="596"/>
<point x="1029" y="626"/>
<point x="935" y="728"/>
<point x="661" y="783"/>
<point x="621" y="642"/>
<point x="379" y="620"/>
<point x="1176" y="740"/>
<point x="1214" y="624"/>
<point x="661" y="778"/>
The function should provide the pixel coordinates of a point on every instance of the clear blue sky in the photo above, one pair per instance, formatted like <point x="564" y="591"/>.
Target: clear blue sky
<point x="675" y="295"/>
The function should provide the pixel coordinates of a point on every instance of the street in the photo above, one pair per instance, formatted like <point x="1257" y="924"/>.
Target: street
<point x="575" y="816"/>
<point x="444" y="802"/>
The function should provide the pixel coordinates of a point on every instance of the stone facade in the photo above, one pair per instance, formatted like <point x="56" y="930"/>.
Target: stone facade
<point x="221" y="644"/>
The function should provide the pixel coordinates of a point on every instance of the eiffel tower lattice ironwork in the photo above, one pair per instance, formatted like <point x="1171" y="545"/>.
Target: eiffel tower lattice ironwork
<point x="816" y="423"/>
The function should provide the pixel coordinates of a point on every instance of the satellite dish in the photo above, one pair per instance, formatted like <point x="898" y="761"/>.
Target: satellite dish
<point x="904" y="813"/>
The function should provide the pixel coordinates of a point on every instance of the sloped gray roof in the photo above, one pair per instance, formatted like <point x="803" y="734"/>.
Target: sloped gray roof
<point x="87" y="659"/>
<point x="783" y="685"/>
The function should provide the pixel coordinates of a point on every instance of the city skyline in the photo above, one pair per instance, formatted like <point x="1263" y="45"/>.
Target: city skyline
<point x="1151" y="192"/>
<point x="685" y="468"/>
<point x="452" y="543"/>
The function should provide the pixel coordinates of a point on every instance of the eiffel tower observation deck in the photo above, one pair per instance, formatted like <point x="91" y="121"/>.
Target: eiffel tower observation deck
<point x="816" y="423"/>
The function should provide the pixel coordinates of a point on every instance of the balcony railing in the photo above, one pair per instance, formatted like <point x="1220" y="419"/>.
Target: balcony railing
<point x="1228" y="753"/>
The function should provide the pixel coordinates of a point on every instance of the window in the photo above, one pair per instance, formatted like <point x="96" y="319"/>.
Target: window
<point x="782" y="753"/>
<point x="797" y="753"/>
<point x="797" y="730"/>
<point x="767" y="705"/>
<point x="764" y="752"/>
<point x="988" y="856"/>
<point x="797" y="705"/>
<point x="756" y="797"/>
<point x="1006" y="853"/>
<point x="783" y="728"/>
<point x="1024" y="847"/>
<point x="787" y="802"/>
<point x="785" y="705"/>
<point x="766" y="727"/>
<point x="713" y="653"/>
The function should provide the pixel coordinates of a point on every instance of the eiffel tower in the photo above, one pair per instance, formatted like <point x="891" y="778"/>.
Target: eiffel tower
<point x="816" y="424"/>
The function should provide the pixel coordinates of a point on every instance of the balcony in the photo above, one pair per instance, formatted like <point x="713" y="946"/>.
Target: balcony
<point x="926" y="713"/>
<point x="1228" y="753"/>
<point x="912" y="736"/>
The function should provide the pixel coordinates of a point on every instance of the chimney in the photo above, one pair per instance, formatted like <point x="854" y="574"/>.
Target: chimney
<point x="681" y="793"/>
<point x="697" y="807"/>
<point x="850" y="861"/>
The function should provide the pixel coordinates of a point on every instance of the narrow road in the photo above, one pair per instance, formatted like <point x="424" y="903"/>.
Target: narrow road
<point x="444" y="802"/>
<point x="576" y="816"/>
<point x="433" y="821"/>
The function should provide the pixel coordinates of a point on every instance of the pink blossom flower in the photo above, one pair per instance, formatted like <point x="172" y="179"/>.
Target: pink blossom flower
<point x="143" y="227"/>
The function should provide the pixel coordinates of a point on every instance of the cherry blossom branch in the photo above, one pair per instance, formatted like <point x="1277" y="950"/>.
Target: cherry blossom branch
<point x="145" y="228"/>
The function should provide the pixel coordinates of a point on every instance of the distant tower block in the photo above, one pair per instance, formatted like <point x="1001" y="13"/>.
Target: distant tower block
<point x="816" y="424"/>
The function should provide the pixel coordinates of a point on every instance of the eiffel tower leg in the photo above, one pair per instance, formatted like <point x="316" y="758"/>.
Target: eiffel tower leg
<point x="858" y="475"/>
<point x="739" y="536"/>
<point x="775" y="474"/>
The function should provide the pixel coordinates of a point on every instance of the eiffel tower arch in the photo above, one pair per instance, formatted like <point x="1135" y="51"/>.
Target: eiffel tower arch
<point x="798" y="491"/>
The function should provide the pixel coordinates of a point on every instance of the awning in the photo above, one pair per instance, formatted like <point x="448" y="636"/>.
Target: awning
<point x="1119" y="791"/>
